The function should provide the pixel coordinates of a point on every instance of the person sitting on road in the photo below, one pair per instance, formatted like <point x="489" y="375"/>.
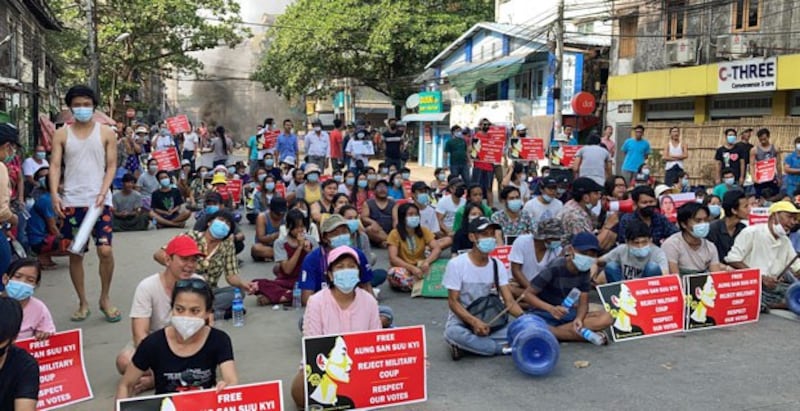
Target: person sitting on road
<point x="21" y="281"/>
<point x="216" y="244"/>
<point x="358" y="236"/>
<point x="474" y="195"/>
<point x="348" y="183"/>
<point x="268" y="230"/>
<point x="646" y="206"/>
<point x="471" y="276"/>
<point x="377" y="214"/>
<point x="637" y="258"/>
<point x="514" y="220"/>
<point x="688" y="251"/>
<point x="302" y="206"/>
<point x="165" y="204"/>
<point x="531" y="253"/>
<point x="361" y="192"/>
<point x="311" y="189"/>
<point x="185" y="354"/>
<point x="213" y="204"/>
<point x="148" y="182"/>
<point x="452" y="199"/>
<point x="341" y="308"/>
<point x="555" y="282"/>
<point x="19" y="371"/>
<point x="407" y="244"/>
<point x="150" y="310"/>
<point x="461" y="240"/>
<point x="396" y="190"/>
<point x="263" y="197"/>
<point x="44" y="235"/>
<point x="545" y="205"/>
<point x="321" y="209"/>
<point x="198" y="188"/>
<point x="723" y="232"/>
<point x="219" y="184"/>
<point x="289" y="253"/>
<point x="421" y="197"/>
<point x="128" y="212"/>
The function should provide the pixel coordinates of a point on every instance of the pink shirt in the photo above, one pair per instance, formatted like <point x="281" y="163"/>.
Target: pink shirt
<point x="324" y="316"/>
<point x="35" y="317"/>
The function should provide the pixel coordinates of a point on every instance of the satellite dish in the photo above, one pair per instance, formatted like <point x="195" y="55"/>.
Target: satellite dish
<point x="412" y="101"/>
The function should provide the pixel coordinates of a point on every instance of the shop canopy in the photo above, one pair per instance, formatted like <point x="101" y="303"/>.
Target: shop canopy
<point x="473" y="76"/>
<point x="425" y="117"/>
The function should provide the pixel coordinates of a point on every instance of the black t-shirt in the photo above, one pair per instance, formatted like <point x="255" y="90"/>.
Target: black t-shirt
<point x="175" y="374"/>
<point x="19" y="378"/>
<point x="731" y="157"/>
<point x="555" y="282"/>
<point x="744" y="149"/>
<point x="162" y="200"/>
<point x="393" y="141"/>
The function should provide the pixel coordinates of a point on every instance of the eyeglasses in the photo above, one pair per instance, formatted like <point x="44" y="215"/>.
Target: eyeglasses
<point x="193" y="283"/>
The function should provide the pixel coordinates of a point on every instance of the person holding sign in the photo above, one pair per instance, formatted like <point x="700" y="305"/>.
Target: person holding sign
<point x="763" y="153"/>
<point x="555" y="282"/>
<point x="768" y="248"/>
<point x="19" y="372"/>
<point x="185" y="354"/>
<point x="341" y="308"/>
<point x="688" y="251"/>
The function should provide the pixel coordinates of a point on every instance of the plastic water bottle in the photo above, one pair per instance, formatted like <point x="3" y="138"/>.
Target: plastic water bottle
<point x="592" y="337"/>
<point x="572" y="298"/>
<point x="238" y="309"/>
<point x="296" y="301"/>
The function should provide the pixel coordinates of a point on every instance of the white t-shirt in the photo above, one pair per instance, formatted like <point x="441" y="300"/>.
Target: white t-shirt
<point x="150" y="300"/>
<point x="190" y="141"/>
<point x="30" y="166"/>
<point x="162" y="142"/>
<point x="471" y="281"/>
<point x="448" y="208"/>
<point x="522" y="252"/>
<point x="540" y="211"/>
<point x="428" y="219"/>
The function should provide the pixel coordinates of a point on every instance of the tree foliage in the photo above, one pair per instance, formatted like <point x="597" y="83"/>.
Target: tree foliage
<point x="162" y="34"/>
<point x="383" y="44"/>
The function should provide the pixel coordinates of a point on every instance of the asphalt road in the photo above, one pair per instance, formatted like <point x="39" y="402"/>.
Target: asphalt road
<point x="740" y="368"/>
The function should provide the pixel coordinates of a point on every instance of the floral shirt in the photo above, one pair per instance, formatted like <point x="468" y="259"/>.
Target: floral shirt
<point x="576" y="219"/>
<point x="512" y="228"/>
<point x="199" y="189"/>
<point x="217" y="263"/>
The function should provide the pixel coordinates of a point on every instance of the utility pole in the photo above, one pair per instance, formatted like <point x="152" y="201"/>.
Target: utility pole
<point x="94" y="55"/>
<point x="559" y="74"/>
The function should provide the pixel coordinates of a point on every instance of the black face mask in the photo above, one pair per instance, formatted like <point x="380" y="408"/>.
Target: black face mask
<point x="648" y="211"/>
<point x="485" y="128"/>
<point x="795" y="228"/>
<point x="522" y="135"/>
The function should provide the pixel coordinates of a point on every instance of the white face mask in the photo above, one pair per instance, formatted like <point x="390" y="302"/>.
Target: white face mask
<point x="187" y="326"/>
<point x="779" y="230"/>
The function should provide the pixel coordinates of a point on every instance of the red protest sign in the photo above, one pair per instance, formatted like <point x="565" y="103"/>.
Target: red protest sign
<point x="488" y="147"/>
<point x="501" y="253"/>
<point x="644" y="307"/>
<point x="722" y="299"/>
<point x="407" y="188"/>
<point x="758" y="215"/>
<point x="269" y="140"/>
<point x="765" y="171"/>
<point x="280" y="188"/>
<point x="670" y="203"/>
<point x="563" y="156"/>
<point x="62" y="374"/>
<point x="264" y="396"/>
<point x="167" y="159"/>
<point x="234" y="189"/>
<point x="371" y="369"/>
<point x="178" y="124"/>
<point x="526" y="149"/>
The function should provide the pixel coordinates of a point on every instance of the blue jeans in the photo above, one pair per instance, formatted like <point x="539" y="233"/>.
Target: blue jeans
<point x="614" y="271"/>
<point x="5" y="255"/>
<point x="461" y="171"/>
<point x="462" y="337"/>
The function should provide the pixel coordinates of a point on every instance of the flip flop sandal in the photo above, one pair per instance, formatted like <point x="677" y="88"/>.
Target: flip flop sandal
<point x="112" y="318"/>
<point x="80" y="315"/>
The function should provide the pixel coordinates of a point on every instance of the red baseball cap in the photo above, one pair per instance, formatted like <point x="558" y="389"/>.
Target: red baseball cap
<point x="184" y="246"/>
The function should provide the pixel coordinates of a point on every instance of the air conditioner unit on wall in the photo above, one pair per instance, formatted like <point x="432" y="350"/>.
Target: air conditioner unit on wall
<point x="683" y="51"/>
<point x="731" y="46"/>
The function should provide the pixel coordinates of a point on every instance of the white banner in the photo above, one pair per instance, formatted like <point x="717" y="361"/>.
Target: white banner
<point x="744" y="76"/>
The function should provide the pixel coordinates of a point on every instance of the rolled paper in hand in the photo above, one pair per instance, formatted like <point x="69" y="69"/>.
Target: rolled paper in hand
<point x="79" y="242"/>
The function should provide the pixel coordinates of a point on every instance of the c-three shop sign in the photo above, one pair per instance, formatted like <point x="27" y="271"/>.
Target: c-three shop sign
<point x="745" y="76"/>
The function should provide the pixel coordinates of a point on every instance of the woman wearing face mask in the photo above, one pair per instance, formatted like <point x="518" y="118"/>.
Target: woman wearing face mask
<point x="643" y="177"/>
<point x="265" y="194"/>
<point x="407" y="243"/>
<point x="341" y="308"/>
<point x="302" y="206"/>
<point x="461" y="241"/>
<point x="714" y="205"/>
<point x="396" y="190"/>
<point x="514" y="220"/>
<point x="688" y="251"/>
<point x="310" y="190"/>
<point x="439" y="183"/>
<point x="198" y="189"/>
<point x="289" y="253"/>
<point x="517" y="177"/>
<point x="348" y="183"/>
<point x="361" y="193"/>
<point x="253" y="193"/>
<point x="184" y="355"/>
<point x="21" y="281"/>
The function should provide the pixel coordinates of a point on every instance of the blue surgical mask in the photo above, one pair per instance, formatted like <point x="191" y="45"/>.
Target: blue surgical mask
<point x="362" y="183"/>
<point x="269" y="163"/>
<point x="313" y="177"/>
<point x="270" y="186"/>
<point x="406" y="176"/>
<point x="640" y="252"/>
<point x="582" y="262"/>
<point x="337" y="178"/>
<point x="262" y="177"/>
<point x="350" y="181"/>
<point x="546" y="198"/>
<point x="165" y="182"/>
<point x="211" y="209"/>
<point x="41" y="155"/>
<point x="398" y="182"/>
<point x="731" y="139"/>
<point x="203" y="174"/>
<point x="441" y="176"/>
<point x="18" y="290"/>
<point x="372" y="177"/>
<point x="729" y="181"/>
<point x="82" y="114"/>
<point x="340" y="240"/>
<point x="714" y="210"/>
<point x="219" y="229"/>
<point x="43" y="182"/>
<point x="412" y="221"/>
<point x="352" y="225"/>
<point x="646" y="171"/>
<point x="515" y="204"/>
<point x="685" y="182"/>
<point x="384" y="170"/>
<point x="346" y="279"/>
<point x="231" y="170"/>
<point x="423" y="199"/>
<point x="487" y="244"/>
<point x="554" y="245"/>
<point x="700" y="230"/>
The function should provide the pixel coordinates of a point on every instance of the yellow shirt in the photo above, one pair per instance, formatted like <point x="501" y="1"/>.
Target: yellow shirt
<point x="412" y="250"/>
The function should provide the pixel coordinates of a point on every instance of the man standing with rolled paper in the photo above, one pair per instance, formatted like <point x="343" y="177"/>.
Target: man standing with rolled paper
<point x="88" y="150"/>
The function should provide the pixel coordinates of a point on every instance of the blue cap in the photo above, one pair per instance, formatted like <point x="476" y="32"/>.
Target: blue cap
<point x="585" y="241"/>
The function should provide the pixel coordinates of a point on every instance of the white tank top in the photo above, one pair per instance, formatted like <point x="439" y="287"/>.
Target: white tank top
<point x="674" y="151"/>
<point x="84" y="169"/>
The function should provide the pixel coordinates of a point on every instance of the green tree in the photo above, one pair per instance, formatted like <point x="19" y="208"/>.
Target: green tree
<point x="161" y="36"/>
<point x="383" y="44"/>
